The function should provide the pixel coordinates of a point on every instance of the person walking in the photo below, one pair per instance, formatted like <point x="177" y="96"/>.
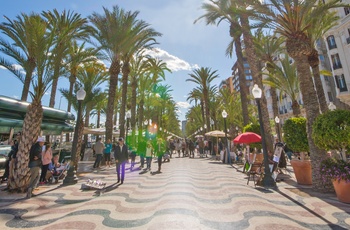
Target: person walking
<point x="191" y="148"/>
<point x="34" y="165"/>
<point x="160" y="149"/>
<point x="46" y="158"/>
<point x="99" y="147"/>
<point x="107" y="152"/>
<point x="121" y="156"/>
<point x="149" y="152"/>
<point x="141" y="151"/>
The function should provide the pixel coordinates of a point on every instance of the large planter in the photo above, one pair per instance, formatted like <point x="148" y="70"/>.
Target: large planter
<point x="302" y="171"/>
<point x="342" y="189"/>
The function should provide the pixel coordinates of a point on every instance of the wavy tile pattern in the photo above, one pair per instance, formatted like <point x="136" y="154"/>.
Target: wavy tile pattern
<point x="189" y="194"/>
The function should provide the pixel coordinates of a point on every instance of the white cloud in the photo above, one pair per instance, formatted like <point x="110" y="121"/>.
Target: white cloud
<point x="183" y="104"/>
<point x="173" y="63"/>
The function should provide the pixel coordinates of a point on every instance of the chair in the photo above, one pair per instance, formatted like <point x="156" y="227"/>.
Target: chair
<point x="253" y="170"/>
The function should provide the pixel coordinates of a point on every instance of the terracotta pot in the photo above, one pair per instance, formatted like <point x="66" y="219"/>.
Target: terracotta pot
<point x="342" y="189"/>
<point x="302" y="171"/>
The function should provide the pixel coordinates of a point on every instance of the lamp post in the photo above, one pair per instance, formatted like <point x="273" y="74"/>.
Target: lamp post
<point x="205" y="128"/>
<point x="212" y="123"/>
<point x="277" y="120"/>
<point x="267" y="181"/>
<point x="71" y="177"/>
<point x="146" y="127"/>
<point x="128" y="116"/>
<point x="228" y="158"/>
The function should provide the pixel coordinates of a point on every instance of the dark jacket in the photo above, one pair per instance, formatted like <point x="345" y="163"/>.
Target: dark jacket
<point x="35" y="151"/>
<point x="122" y="155"/>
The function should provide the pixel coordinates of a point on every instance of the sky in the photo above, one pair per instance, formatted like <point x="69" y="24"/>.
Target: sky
<point x="184" y="46"/>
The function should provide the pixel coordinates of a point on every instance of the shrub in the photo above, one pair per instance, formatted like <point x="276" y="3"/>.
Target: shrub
<point x="335" y="169"/>
<point x="295" y="134"/>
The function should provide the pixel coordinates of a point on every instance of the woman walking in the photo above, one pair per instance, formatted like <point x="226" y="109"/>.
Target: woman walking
<point x="46" y="158"/>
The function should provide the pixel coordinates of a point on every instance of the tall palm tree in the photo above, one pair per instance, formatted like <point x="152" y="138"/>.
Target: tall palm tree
<point x="41" y="82"/>
<point x="291" y="19"/>
<point x="140" y="37"/>
<point x="203" y="77"/>
<point x="285" y="78"/>
<point x="328" y="21"/>
<point x="77" y="55"/>
<point x="109" y="32"/>
<point x="216" y="12"/>
<point x="268" y="49"/>
<point x="22" y="32"/>
<point x="67" y="26"/>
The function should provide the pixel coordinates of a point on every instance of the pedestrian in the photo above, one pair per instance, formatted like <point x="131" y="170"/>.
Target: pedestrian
<point x="141" y="151"/>
<point x="99" y="147"/>
<point x="149" y="153"/>
<point x="160" y="149"/>
<point x="191" y="148"/>
<point x="34" y="165"/>
<point x="107" y="152"/>
<point x="121" y="156"/>
<point x="46" y="158"/>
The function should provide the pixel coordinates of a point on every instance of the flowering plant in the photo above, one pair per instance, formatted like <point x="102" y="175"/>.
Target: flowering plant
<point x="335" y="169"/>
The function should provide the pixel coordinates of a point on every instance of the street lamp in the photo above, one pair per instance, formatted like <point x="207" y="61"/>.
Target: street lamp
<point x="267" y="181"/>
<point x="71" y="177"/>
<point x="224" y="115"/>
<point x="277" y="120"/>
<point x="205" y="127"/>
<point x="128" y="116"/>
<point x="212" y="123"/>
<point x="331" y="106"/>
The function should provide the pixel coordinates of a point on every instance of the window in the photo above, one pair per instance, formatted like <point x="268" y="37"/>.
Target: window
<point x="330" y="97"/>
<point x="331" y="42"/>
<point x="341" y="84"/>
<point x="336" y="61"/>
<point x="347" y="10"/>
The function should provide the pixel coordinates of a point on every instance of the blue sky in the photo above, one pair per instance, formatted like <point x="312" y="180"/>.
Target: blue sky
<point x="184" y="45"/>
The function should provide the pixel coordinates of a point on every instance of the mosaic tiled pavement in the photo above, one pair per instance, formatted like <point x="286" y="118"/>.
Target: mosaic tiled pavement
<point x="189" y="194"/>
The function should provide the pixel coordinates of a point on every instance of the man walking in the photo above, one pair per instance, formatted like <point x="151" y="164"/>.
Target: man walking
<point x="121" y="156"/>
<point x="99" y="147"/>
<point x="34" y="165"/>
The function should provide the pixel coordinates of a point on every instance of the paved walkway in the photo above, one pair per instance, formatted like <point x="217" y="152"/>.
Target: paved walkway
<point x="189" y="194"/>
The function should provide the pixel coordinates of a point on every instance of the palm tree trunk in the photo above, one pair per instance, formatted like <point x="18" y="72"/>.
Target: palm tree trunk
<point x="274" y="105"/>
<point x="113" y="84"/>
<point x="314" y="63"/>
<point x="79" y="145"/>
<point x="296" y="108"/>
<point x="257" y="77"/>
<point x="243" y="90"/>
<point x="54" y="89"/>
<point x="133" y="109"/>
<point x="312" y="111"/>
<point x="19" y="171"/>
<point x="126" y="72"/>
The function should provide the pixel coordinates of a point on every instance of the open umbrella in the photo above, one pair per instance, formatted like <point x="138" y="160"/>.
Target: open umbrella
<point x="247" y="137"/>
<point x="216" y="133"/>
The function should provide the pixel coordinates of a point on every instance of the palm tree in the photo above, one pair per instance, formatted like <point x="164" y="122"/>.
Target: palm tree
<point x="328" y="21"/>
<point x="285" y="78"/>
<point x="203" y="77"/>
<point x="268" y="48"/>
<point x="140" y="37"/>
<point x="77" y="55"/>
<point x="216" y="12"/>
<point x="41" y="82"/>
<point x="67" y="26"/>
<point x="90" y="77"/>
<point x="291" y="19"/>
<point x="22" y="32"/>
<point x="108" y="31"/>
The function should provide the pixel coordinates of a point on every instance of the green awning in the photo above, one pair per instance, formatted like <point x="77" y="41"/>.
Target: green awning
<point x="48" y="128"/>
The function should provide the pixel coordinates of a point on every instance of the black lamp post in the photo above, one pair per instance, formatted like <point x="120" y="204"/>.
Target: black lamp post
<point x="212" y="123"/>
<point x="71" y="174"/>
<point x="267" y="181"/>
<point x="228" y="158"/>
<point x="277" y="120"/>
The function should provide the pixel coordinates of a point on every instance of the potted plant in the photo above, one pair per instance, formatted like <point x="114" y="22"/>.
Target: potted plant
<point x="338" y="171"/>
<point x="331" y="131"/>
<point x="295" y="137"/>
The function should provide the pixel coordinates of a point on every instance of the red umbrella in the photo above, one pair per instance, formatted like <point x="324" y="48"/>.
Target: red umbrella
<point x="247" y="137"/>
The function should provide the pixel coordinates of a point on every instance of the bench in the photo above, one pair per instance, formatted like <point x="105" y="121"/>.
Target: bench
<point x="254" y="169"/>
